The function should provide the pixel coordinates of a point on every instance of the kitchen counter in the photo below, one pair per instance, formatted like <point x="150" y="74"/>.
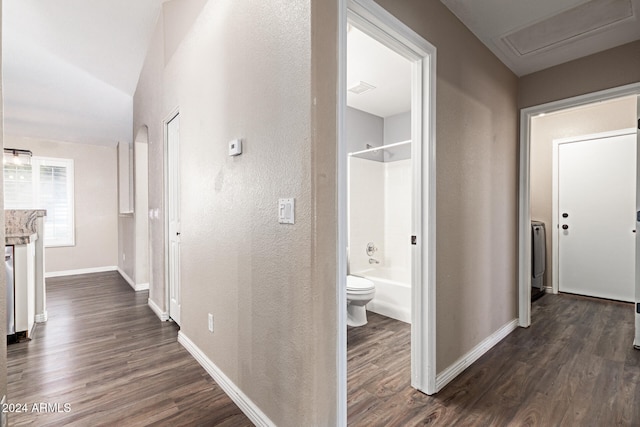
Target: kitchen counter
<point x="24" y="230"/>
<point x="21" y="225"/>
<point x="20" y="239"/>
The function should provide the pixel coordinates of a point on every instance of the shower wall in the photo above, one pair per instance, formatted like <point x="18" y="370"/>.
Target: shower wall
<point x="397" y="218"/>
<point x="366" y="212"/>
<point x="380" y="212"/>
<point x="380" y="194"/>
<point x="362" y="129"/>
<point x="396" y="129"/>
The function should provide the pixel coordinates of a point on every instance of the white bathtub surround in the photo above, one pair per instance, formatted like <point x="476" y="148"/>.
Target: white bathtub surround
<point x="366" y="211"/>
<point x="397" y="219"/>
<point x="393" y="296"/>
<point x="380" y="212"/>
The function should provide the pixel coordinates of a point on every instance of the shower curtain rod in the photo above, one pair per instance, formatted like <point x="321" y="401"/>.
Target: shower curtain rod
<point x="382" y="147"/>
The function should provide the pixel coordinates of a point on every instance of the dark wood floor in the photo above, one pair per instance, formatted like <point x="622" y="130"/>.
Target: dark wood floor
<point x="575" y="366"/>
<point x="107" y="355"/>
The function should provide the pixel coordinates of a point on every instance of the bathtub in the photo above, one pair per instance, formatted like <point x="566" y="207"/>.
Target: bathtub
<point x="393" y="296"/>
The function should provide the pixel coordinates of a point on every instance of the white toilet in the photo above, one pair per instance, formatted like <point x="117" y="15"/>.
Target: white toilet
<point x="359" y="292"/>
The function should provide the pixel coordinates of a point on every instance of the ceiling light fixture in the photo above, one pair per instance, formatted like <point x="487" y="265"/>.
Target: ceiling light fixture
<point x="361" y="87"/>
<point x="17" y="156"/>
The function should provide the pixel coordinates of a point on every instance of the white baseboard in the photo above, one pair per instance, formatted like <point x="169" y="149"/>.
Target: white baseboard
<point x="446" y="376"/>
<point x="239" y="398"/>
<point x="41" y="318"/>
<point x="142" y="287"/>
<point x="136" y="287"/>
<point x="163" y="315"/>
<point x="80" y="271"/>
<point x="126" y="277"/>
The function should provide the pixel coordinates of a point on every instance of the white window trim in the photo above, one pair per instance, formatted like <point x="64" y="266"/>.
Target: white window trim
<point x="69" y="164"/>
<point x="36" y="162"/>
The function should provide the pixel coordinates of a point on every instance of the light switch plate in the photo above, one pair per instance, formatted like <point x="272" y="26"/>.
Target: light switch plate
<point x="286" y="211"/>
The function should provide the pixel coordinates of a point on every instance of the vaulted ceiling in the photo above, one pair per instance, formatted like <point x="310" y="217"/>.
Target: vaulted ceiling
<point x="71" y="67"/>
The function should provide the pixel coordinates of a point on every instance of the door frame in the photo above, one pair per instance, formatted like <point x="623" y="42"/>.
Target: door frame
<point x="141" y="199"/>
<point x="524" y="208"/>
<point x="636" y="340"/>
<point x="379" y="24"/>
<point x="167" y="291"/>
<point x="555" y="228"/>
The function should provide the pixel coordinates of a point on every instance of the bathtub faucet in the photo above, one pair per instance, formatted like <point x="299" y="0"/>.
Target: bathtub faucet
<point x="373" y="261"/>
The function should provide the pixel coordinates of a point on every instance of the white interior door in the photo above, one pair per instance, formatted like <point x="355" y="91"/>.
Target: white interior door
<point x="173" y="217"/>
<point x="596" y="216"/>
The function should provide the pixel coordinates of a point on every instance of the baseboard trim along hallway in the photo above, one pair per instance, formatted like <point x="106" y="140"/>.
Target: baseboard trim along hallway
<point x="446" y="376"/>
<point x="136" y="286"/>
<point x="80" y="271"/>
<point x="163" y="315"/>
<point x="245" y="404"/>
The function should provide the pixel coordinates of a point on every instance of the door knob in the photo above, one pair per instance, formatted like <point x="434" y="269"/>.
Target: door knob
<point x="565" y="227"/>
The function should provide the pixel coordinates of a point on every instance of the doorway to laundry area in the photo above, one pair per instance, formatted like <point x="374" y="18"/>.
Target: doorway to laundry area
<point x="557" y="127"/>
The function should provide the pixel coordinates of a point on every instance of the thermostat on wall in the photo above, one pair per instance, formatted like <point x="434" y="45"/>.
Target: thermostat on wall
<point x="235" y="147"/>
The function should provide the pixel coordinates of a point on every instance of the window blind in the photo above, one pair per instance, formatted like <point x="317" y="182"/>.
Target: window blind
<point x="45" y="184"/>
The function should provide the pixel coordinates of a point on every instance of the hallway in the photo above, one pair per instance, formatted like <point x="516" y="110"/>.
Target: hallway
<point x="106" y="354"/>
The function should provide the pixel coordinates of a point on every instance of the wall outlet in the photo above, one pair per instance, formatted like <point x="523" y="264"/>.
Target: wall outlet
<point x="124" y="257"/>
<point x="210" y="322"/>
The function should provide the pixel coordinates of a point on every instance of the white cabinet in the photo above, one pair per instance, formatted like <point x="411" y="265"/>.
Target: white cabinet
<point x="24" y="231"/>
<point x="25" y="290"/>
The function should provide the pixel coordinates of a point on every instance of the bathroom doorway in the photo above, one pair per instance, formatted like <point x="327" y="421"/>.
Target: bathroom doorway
<point x="387" y="183"/>
<point x="379" y="197"/>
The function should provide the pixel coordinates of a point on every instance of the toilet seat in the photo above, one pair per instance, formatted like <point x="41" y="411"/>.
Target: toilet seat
<point x="359" y="285"/>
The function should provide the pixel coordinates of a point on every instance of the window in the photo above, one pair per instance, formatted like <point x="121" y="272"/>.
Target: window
<point x="46" y="183"/>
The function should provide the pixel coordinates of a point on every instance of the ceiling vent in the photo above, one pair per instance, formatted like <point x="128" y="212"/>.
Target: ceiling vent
<point x="361" y="88"/>
<point x="570" y="25"/>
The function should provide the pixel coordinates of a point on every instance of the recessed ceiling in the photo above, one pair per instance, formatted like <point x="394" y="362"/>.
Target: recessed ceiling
<point x="371" y="63"/>
<point x="529" y="36"/>
<point x="71" y="67"/>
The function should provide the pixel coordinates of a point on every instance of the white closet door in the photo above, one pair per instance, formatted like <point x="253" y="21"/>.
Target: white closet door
<point x="596" y="217"/>
<point x="173" y="200"/>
